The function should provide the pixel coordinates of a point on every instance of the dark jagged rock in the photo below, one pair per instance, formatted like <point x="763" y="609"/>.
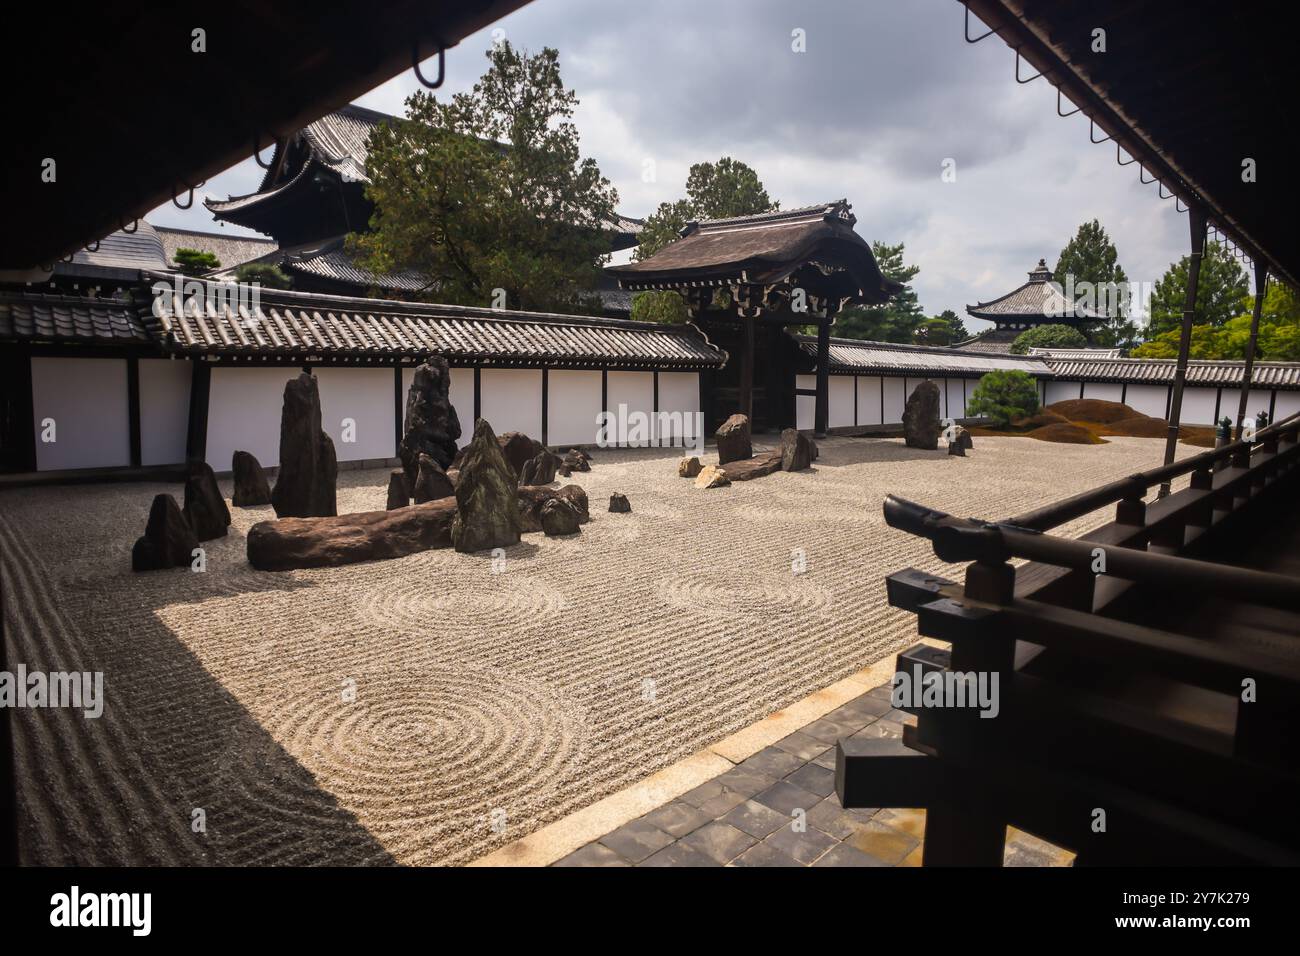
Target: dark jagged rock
<point x="205" y="509"/>
<point x="733" y="440"/>
<point x="618" y="504"/>
<point x="796" y="450"/>
<point x="964" y="438"/>
<point x="533" y="498"/>
<point x="305" y="486"/>
<point x="487" y="513"/>
<point x="756" y="467"/>
<point x="518" y="450"/>
<point x="432" y="427"/>
<point x="575" y="460"/>
<point x="960" y="442"/>
<point x="921" y="425"/>
<point x="540" y="470"/>
<point x="251" y="486"/>
<point x="346" y="539"/>
<point x="398" y="494"/>
<point x="432" y="482"/>
<point x="168" y="540"/>
<point x="560" y="517"/>
<point x="564" y="471"/>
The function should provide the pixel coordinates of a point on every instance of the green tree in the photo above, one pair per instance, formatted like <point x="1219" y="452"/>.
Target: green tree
<point x="265" y="274"/>
<point x="718" y="190"/>
<point x="1091" y="257"/>
<point x="897" y="320"/>
<point x="1219" y="291"/>
<point x="489" y="191"/>
<point x="943" y="329"/>
<point x="1048" y="337"/>
<point x="192" y="262"/>
<point x="1003" y="396"/>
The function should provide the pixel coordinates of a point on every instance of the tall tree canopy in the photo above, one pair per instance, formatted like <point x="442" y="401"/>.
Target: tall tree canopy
<point x="713" y="191"/>
<point x="1219" y="292"/>
<point x="489" y="191"/>
<point x="897" y="320"/>
<point x="1279" y="332"/>
<point x="1091" y="257"/>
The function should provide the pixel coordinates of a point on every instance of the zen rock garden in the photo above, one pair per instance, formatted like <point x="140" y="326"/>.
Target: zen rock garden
<point x="737" y="461"/>
<point x="477" y="498"/>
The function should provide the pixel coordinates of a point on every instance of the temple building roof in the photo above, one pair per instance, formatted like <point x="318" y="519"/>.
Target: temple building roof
<point x="810" y="244"/>
<point x="1037" y="301"/>
<point x="230" y="250"/>
<point x="849" y="356"/>
<point x="35" y="317"/>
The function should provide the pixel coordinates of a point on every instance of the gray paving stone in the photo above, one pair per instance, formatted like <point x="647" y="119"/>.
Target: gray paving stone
<point x="805" y="847"/>
<point x="765" y="855"/>
<point x="679" y="854"/>
<point x="802" y="746"/>
<point x="746" y="780"/>
<point x="844" y="855"/>
<point x="722" y="804"/>
<point x="864" y="709"/>
<point x="828" y="731"/>
<point x="814" y="779"/>
<point x="785" y="797"/>
<point x="881" y="728"/>
<point x="677" y="818"/>
<point x="900" y="717"/>
<point x="774" y="762"/>
<point x="636" y="840"/>
<point x="719" y="841"/>
<point x="593" y="854"/>
<point x="826" y="760"/>
<point x="756" y="819"/>
<point x="702" y="794"/>
<point x="831" y="818"/>
<point x="884" y="692"/>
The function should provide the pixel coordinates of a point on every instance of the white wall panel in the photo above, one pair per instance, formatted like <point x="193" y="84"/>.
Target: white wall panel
<point x="1063" y="392"/>
<point x="511" y="400"/>
<point x="805" y="406"/>
<point x="636" y="390"/>
<point x="679" y="392"/>
<point x="841" y="400"/>
<point x="1258" y="402"/>
<point x="956" y="398"/>
<point x="868" y="399"/>
<point x="244" y="408"/>
<point x="1288" y="403"/>
<point x="573" y="404"/>
<point x="1148" y="399"/>
<point x="1105" y="391"/>
<point x="164" y="410"/>
<point x="86" y="399"/>
<point x="895" y="399"/>
<point x="364" y="395"/>
<point x="1198" y="406"/>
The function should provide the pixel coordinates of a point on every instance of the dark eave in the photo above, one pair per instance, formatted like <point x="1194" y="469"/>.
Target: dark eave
<point x="142" y="116"/>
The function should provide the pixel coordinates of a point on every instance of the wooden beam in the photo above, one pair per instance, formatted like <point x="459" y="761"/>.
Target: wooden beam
<point x="747" y="370"/>
<point x="133" y="408"/>
<point x="1261" y="287"/>
<point x="196" y="441"/>
<point x="1196" y="226"/>
<point x="821" y="416"/>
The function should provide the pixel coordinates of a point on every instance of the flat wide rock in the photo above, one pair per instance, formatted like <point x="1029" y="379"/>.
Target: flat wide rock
<point x="749" y="468"/>
<point x="290" y="543"/>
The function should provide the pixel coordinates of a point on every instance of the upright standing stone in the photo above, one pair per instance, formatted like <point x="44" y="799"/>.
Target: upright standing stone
<point x="251" y="486"/>
<point x="487" y="506"/>
<point x="733" y="440"/>
<point x="168" y="540"/>
<point x="518" y="450"/>
<point x="541" y="469"/>
<point x="432" y="482"/>
<point x="921" y="425"/>
<point x="432" y="426"/>
<point x="618" y="504"/>
<point x="796" y="450"/>
<point x="304" y="487"/>
<point x="205" y="509"/>
<point x="399" y="496"/>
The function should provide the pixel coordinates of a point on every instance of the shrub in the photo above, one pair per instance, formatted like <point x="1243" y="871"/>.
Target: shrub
<point x="193" y="262"/>
<point x="1048" y="337"/>
<point x="265" y="274"/>
<point x="1003" y="396"/>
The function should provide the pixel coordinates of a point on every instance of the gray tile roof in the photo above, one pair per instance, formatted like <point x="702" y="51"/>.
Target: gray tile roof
<point x="1209" y="374"/>
<point x="996" y="341"/>
<point x="142" y="249"/>
<point x="230" y="250"/>
<point x="1038" y="299"/>
<point x="296" y="324"/>
<point x="35" y="317"/>
<point x="849" y="356"/>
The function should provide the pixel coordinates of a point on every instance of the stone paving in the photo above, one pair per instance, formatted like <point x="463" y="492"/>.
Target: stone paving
<point x="779" y="808"/>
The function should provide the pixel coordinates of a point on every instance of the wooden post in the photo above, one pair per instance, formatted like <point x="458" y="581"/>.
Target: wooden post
<point x="822" y="415"/>
<point x="747" y="370"/>
<point x="196" y="442"/>
<point x="1261" y="286"/>
<point x="1196" y="224"/>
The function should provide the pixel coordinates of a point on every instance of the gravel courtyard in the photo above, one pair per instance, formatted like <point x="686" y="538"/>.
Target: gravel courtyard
<point x="429" y="709"/>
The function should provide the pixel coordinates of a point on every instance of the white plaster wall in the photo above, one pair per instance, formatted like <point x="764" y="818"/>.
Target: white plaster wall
<point x="244" y="408"/>
<point x="461" y="394"/>
<point x="678" y="392"/>
<point x="1198" y="406"/>
<point x="87" y="400"/>
<point x="868" y="399"/>
<point x="841" y="391"/>
<point x="805" y="406"/>
<point x="364" y="395"/>
<point x="636" y="390"/>
<point x="164" y="410"/>
<point x="895" y="399"/>
<point x="573" y="404"/>
<point x="1288" y="403"/>
<point x="1105" y="391"/>
<point x="1148" y="399"/>
<point x="956" y="393"/>
<point x="511" y="400"/>
<point x="1258" y="402"/>
<point x="1065" y="391"/>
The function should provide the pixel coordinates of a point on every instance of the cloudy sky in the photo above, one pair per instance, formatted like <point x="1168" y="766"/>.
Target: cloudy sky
<point x="885" y="92"/>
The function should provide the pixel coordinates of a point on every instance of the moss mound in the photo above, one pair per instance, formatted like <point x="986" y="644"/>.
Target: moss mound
<point x="1066" y="433"/>
<point x="1030" y="422"/>
<point x="1095" y="410"/>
